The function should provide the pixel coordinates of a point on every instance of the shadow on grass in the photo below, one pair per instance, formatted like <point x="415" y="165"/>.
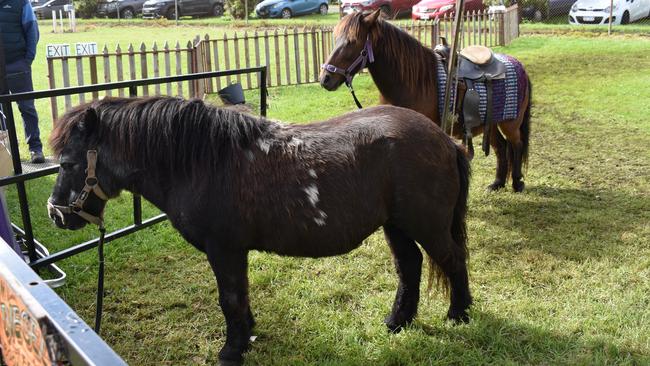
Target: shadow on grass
<point x="488" y="339"/>
<point x="570" y="223"/>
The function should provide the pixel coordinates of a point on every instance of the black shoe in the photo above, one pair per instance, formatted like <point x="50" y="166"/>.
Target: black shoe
<point x="37" y="157"/>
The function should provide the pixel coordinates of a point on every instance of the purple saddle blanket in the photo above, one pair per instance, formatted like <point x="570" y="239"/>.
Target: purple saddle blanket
<point x="507" y="93"/>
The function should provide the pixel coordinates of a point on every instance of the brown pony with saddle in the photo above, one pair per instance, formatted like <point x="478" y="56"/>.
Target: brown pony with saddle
<point x="407" y="75"/>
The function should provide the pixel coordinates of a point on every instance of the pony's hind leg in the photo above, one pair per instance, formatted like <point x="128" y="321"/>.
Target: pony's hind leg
<point x="230" y="269"/>
<point x="499" y="144"/>
<point x="449" y="263"/>
<point x="408" y="263"/>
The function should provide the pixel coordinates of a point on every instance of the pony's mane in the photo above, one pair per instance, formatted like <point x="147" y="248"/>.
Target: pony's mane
<point x="163" y="131"/>
<point x="402" y="54"/>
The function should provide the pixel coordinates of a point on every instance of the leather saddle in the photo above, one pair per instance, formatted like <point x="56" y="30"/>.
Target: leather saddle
<point x="475" y="64"/>
<point x="478" y="62"/>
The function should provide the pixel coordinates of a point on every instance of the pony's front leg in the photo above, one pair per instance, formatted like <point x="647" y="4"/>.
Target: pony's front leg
<point x="230" y="268"/>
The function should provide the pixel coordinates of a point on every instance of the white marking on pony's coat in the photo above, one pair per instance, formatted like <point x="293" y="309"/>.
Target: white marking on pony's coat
<point x="249" y="155"/>
<point x="312" y="194"/>
<point x="312" y="173"/>
<point x="264" y="145"/>
<point x="320" y="220"/>
<point x="295" y="142"/>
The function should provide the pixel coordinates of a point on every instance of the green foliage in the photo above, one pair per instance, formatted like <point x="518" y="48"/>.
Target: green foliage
<point x="237" y="8"/>
<point x="86" y="8"/>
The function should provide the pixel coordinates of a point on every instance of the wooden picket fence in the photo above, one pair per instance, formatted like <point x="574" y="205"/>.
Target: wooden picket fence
<point x="293" y="57"/>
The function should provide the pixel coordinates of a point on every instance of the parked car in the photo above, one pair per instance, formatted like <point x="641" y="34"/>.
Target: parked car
<point x="539" y="10"/>
<point x="389" y="8"/>
<point x="290" y="8"/>
<point x="597" y="11"/>
<point x="43" y="8"/>
<point x="431" y="9"/>
<point x="153" y="9"/>
<point x="128" y="9"/>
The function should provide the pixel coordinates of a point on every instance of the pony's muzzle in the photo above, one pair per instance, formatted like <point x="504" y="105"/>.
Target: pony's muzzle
<point x="55" y="214"/>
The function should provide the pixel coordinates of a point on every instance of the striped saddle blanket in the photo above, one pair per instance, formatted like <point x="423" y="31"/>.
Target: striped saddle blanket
<point x="507" y="93"/>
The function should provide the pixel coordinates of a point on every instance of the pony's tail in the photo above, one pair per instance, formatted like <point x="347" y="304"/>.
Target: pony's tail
<point x="458" y="227"/>
<point x="524" y="129"/>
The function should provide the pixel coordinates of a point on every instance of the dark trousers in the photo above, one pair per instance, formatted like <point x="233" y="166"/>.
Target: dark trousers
<point x="19" y="80"/>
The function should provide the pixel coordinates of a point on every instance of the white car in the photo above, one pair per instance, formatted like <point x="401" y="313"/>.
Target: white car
<point x="597" y="11"/>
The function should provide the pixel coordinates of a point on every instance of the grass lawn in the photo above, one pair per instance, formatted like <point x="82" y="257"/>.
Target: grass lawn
<point x="560" y="274"/>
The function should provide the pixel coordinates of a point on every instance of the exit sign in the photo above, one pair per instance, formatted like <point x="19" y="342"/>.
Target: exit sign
<point x="85" y="49"/>
<point x="57" y="50"/>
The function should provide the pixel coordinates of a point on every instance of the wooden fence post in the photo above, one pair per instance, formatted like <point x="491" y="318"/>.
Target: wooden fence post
<point x="247" y="61"/>
<point x="52" y="85"/>
<point x="167" y="67"/>
<point x="179" y="67"/>
<point x="190" y="69"/>
<point x="107" y="69"/>
<point x="208" y="63"/>
<point x="80" y="77"/>
<point x="501" y="32"/>
<point x="119" y="68"/>
<point x="143" y="68"/>
<point x="156" y="66"/>
<point x="235" y="41"/>
<point x="215" y="50"/>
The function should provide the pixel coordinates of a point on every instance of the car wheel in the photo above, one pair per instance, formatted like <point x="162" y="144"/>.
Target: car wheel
<point x="286" y="13"/>
<point x="323" y="9"/>
<point x="626" y="18"/>
<point x="127" y="13"/>
<point x="217" y="10"/>
<point x="385" y="11"/>
<point x="170" y="14"/>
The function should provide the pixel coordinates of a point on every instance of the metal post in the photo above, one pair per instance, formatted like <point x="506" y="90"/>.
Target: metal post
<point x="176" y="11"/>
<point x="10" y="125"/>
<point x="451" y="68"/>
<point x="20" y="186"/>
<point x="611" y="10"/>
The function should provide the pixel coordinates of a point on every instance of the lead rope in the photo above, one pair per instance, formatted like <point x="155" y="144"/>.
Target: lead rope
<point x="100" y="281"/>
<point x="354" y="96"/>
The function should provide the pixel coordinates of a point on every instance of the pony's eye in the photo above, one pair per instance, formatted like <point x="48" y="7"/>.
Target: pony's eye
<point x="66" y="165"/>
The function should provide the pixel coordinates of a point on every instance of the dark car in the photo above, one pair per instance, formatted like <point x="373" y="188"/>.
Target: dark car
<point x="44" y="8"/>
<point x="538" y="10"/>
<point x="165" y="8"/>
<point x="126" y="9"/>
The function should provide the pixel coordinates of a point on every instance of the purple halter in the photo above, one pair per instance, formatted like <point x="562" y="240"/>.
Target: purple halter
<point x="365" y="57"/>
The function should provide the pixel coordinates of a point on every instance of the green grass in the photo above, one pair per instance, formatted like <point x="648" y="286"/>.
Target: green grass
<point x="560" y="274"/>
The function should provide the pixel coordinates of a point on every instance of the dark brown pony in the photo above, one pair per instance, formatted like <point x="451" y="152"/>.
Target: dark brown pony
<point x="231" y="183"/>
<point x="405" y="73"/>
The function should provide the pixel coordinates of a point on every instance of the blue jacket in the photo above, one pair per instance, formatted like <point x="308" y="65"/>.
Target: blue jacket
<point x="19" y="30"/>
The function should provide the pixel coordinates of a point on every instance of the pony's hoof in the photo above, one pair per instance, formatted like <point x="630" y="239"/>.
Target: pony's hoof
<point x="495" y="186"/>
<point x="458" y="316"/>
<point x="393" y="326"/>
<point x="518" y="186"/>
<point x="229" y="363"/>
<point x="228" y="356"/>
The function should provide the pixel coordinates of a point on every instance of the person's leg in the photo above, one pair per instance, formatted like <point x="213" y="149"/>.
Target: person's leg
<point x="19" y="80"/>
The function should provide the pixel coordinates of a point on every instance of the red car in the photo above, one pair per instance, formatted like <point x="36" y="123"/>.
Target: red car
<point x="431" y="9"/>
<point x="389" y="8"/>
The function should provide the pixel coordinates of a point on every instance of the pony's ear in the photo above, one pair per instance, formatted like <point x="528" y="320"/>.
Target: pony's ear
<point x="370" y="19"/>
<point x="89" y="120"/>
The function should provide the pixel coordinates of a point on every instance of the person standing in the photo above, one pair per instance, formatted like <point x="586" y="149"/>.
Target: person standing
<point x="19" y="31"/>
